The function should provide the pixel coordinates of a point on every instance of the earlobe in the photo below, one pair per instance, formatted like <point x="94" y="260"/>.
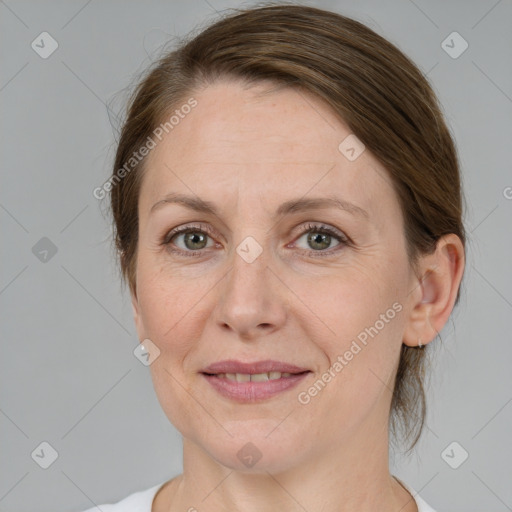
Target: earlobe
<point x="441" y="275"/>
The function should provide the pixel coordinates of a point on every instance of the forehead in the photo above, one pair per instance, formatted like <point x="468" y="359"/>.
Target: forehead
<point x="261" y="144"/>
<point x="234" y="119"/>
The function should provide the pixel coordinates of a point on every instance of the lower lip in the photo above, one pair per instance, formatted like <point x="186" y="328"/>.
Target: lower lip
<point x="253" y="391"/>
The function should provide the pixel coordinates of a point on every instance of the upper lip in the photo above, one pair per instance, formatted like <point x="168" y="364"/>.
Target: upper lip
<point x="269" y="365"/>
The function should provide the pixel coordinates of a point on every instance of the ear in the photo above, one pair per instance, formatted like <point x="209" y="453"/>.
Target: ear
<point x="434" y="292"/>
<point x="137" y="317"/>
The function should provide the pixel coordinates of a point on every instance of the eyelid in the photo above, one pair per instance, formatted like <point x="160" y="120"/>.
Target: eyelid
<point x="321" y="226"/>
<point x="187" y="227"/>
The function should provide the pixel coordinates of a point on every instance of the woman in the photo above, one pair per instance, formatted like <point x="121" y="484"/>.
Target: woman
<point x="288" y="215"/>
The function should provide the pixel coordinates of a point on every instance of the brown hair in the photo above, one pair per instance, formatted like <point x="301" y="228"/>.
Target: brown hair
<point x="375" y="89"/>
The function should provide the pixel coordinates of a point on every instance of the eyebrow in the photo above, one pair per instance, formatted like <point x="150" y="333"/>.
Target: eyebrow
<point x="291" y="206"/>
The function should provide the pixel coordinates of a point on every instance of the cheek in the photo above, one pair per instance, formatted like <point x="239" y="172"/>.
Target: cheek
<point x="170" y="321"/>
<point x="356" y="303"/>
<point x="165" y="297"/>
<point x="356" y="320"/>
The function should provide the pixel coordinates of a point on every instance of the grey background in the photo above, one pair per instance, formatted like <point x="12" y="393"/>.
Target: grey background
<point x="68" y="373"/>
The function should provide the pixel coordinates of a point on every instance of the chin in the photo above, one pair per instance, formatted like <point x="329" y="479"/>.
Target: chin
<point x="255" y="446"/>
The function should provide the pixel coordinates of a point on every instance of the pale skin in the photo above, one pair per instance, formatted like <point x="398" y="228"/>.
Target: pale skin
<point x="248" y="153"/>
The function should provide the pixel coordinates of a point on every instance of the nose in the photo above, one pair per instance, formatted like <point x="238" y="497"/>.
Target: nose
<point x="252" y="299"/>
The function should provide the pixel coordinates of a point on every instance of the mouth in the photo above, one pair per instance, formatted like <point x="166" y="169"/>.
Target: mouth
<point x="254" y="377"/>
<point x="253" y="382"/>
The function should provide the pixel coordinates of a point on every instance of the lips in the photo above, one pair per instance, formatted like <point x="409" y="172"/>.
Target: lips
<point x="233" y="366"/>
<point x="253" y="382"/>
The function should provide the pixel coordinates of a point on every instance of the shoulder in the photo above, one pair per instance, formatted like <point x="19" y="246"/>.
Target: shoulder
<point x="421" y="504"/>
<point x="140" y="501"/>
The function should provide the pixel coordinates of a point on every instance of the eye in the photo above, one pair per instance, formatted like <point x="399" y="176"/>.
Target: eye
<point x="320" y="237"/>
<point x="193" y="238"/>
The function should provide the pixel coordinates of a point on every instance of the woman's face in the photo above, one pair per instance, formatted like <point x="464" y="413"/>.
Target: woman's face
<point x="259" y="280"/>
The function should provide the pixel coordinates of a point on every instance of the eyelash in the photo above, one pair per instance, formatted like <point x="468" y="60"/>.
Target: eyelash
<point x="317" y="228"/>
